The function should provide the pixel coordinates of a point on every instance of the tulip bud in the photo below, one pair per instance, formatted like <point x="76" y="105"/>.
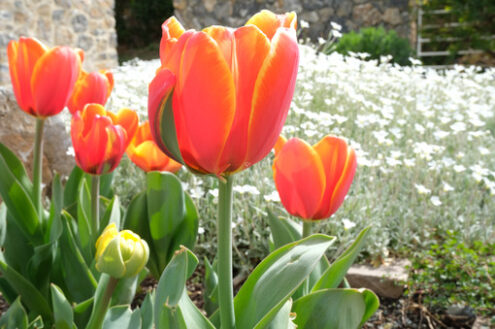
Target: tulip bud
<point x="120" y="254"/>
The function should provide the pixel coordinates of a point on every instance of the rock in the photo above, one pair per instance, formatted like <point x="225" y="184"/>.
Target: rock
<point x="311" y="17"/>
<point x="85" y="42"/>
<point x="326" y="13"/>
<point x="481" y="323"/>
<point x="180" y="4"/>
<point x="392" y="16"/>
<point x="386" y="280"/>
<point x="17" y="130"/>
<point x="366" y="14"/>
<point x="79" y="23"/>
<point x="345" y="9"/>
<point x="210" y="5"/>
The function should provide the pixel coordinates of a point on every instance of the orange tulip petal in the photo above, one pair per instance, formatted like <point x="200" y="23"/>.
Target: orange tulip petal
<point x="273" y="94"/>
<point x="281" y="140"/>
<point x="172" y="58"/>
<point x="171" y="31"/>
<point x="299" y="178"/>
<point x="53" y="79"/>
<point x="89" y="88"/>
<point x="23" y="55"/>
<point x="339" y="162"/>
<point x="203" y="103"/>
<point x="129" y="120"/>
<point x="251" y="49"/>
<point x="224" y="37"/>
<point x="269" y="22"/>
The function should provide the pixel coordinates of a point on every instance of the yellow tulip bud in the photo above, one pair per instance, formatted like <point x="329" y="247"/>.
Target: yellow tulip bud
<point x="120" y="254"/>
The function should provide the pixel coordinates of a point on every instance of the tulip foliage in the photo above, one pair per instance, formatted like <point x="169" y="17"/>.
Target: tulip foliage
<point x="217" y="105"/>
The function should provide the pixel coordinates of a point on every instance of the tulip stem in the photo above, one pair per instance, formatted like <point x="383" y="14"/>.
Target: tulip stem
<point x="307" y="230"/>
<point x="224" y="233"/>
<point x="95" y="204"/>
<point x="38" y="166"/>
<point x="101" y="304"/>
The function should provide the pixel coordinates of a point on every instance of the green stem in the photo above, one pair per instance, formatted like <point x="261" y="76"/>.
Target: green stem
<point x="37" y="167"/>
<point x="101" y="306"/>
<point x="95" y="204"/>
<point x="224" y="233"/>
<point x="307" y="230"/>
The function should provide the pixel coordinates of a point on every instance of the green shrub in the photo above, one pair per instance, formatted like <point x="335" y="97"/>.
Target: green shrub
<point x="455" y="273"/>
<point x="376" y="42"/>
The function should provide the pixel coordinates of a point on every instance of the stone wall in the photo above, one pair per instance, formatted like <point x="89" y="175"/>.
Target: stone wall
<point x="87" y="24"/>
<point x="351" y="14"/>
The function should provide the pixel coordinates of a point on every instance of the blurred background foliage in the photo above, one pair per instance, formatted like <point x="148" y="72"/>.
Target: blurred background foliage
<point x="139" y="26"/>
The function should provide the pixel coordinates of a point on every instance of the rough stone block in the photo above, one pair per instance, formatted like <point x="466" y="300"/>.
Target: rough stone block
<point x="386" y="280"/>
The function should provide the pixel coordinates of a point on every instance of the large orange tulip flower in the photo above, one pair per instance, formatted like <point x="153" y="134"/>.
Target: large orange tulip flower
<point x="221" y="97"/>
<point x="100" y="138"/>
<point x="146" y="155"/>
<point x="42" y="79"/>
<point x="312" y="181"/>
<point x="94" y="87"/>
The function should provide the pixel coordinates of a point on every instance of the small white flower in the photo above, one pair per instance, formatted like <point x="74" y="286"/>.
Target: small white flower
<point x="483" y="150"/>
<point x="304" y="24"/>
<point x="459" y="168"/>
<point x="435" y="201"/>
<point x="348" y="224"/>
<point x="272" y="197"/>
<point x="336" y="26"/>
<point x="447" y="187"/>
<point x="201" y="230"/>
<point x="422" y="189"/>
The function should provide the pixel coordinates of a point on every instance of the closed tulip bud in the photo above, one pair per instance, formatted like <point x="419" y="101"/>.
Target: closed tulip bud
<point x="312" y="181"/>
<point x="94" y="87"/>
<point x="100" y="138"/>
<point x="222" y="95"/>
<point x="146" y="155"/>
<point x="42" y="78"/>
<point x="120" y="254"/>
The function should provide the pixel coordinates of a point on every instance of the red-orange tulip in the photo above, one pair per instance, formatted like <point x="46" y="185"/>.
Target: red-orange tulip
<point x="94" y="87"/>
<point x="312" y="181"/>
<point x="221" y="97"/>
<point x="146" y="155"/>
<point x="100" y="138"/>
<point x="42" y="79"/>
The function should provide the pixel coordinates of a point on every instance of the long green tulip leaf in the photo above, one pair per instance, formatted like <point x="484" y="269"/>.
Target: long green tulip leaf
<point x="121" y="317"/>
<point x="16" y="168"/>
<point x="112" y="214"/>
<point x="84" y="220"/>
<point x="283" y="230"/>
<point x="331" y="309"/>
<point x="30" y="295"/>
<point x="172" y="285"/>
<point x="71" y="189"/>
<point x="146" y="311"/>
<point x="192" y="315"/>
<point x="334" y="275"/>
<point x="275" y="279"/>
<point x="187" y="232"/>
<point x="15" y="317"/>
<point x="167" y="130"/>
<point x="283" y="319"/>
<point x="18" y="200"/>
<point x="166" y="209"/>
<point x="211" y="288"/>
<point x="55" y="227"/>
<point x="62" y="310"/>
<point x="372" y="303"/>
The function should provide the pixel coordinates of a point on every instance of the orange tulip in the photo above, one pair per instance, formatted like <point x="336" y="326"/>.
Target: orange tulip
<point x="42" y="79"/>
<point x="312" y="181"/>
<point x="94" y="87"/>
<point x="146" y="155"/>
<point x="221" y="97"/>
<point x="100" y="138"/>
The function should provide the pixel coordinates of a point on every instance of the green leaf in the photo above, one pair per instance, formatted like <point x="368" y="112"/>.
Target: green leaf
<point x="283" y="319"/>
<point x="106" y="185"/>
<point x="166" y="209"/>
<point x="37" y="323"/>
<point x="275" y="279"/>
<point x="211" y="288"/>
<point x="72" y="188"/>
<point x="332" y="309"/>
<point x="372" y="303"/>
<point x="18" y="199"/>
<point x="8" y="293"/>
<point x="62" y="311"/>
<point x="121" y="317"/>
<point x="112" y="214"/>
<point x="30" y="295"/>
<point x="146" y="311"/>
<point x="55" y="227"/>
<point x="166" y="123"/>
<point x="193" y="317"/>
<point x="78" y="277"/>
<point x="84" y="220"/>
<point x="172" y="285"/>
<point x="3" y="223"/>
<point x="186" y="233"/>
<point x="335" y="273"/>
<point x="283" y="230"/>
<point x="16" y="168"/>
<point x="15" y="317"/>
